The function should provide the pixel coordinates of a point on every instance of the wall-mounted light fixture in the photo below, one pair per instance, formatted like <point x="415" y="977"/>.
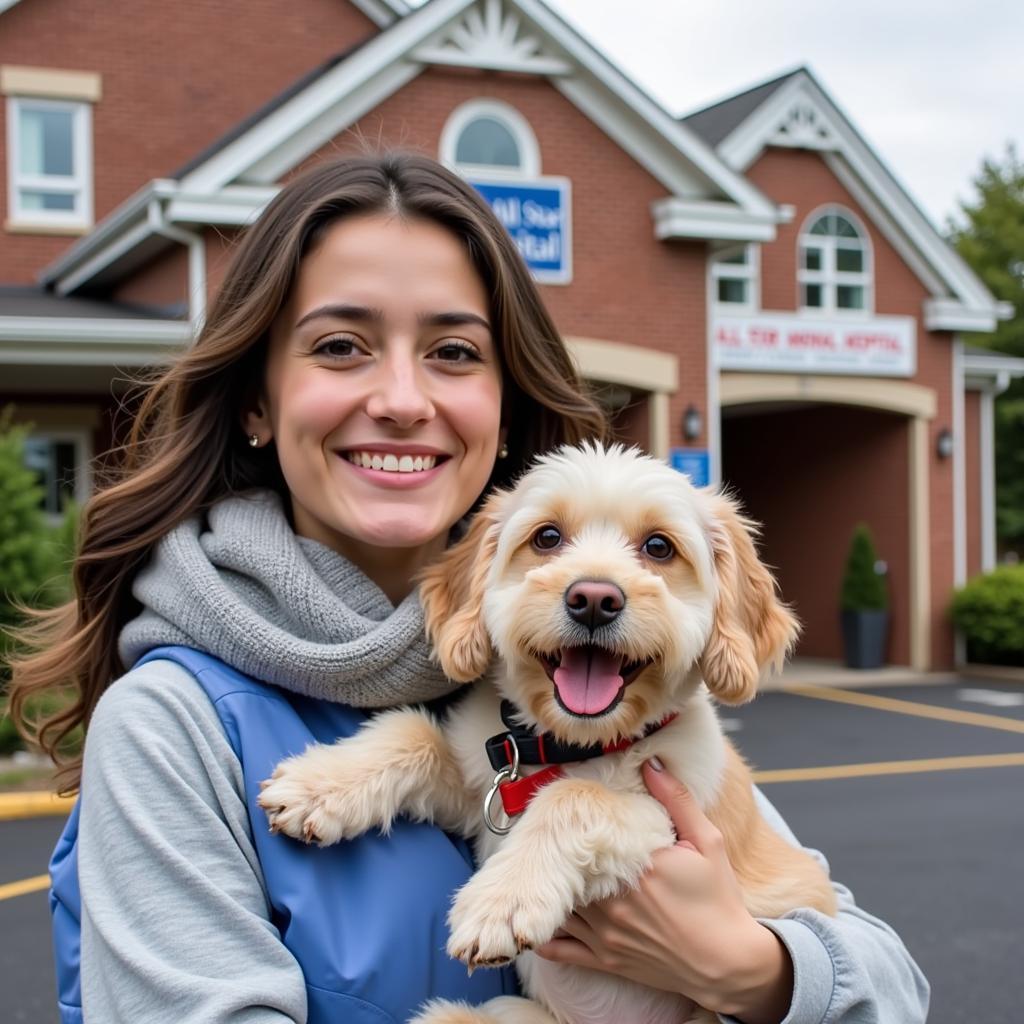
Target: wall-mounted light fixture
<point x="692" y="423"/>
<point x="944" y="443"/>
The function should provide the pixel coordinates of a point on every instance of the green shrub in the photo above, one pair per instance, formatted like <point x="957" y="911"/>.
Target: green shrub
<point x="864" y="587"/>
<point x="990" y="612"/>
<point x="35" y="557"/>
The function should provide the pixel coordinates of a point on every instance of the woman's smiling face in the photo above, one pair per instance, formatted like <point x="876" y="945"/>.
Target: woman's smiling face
<point x="383" y="390"/>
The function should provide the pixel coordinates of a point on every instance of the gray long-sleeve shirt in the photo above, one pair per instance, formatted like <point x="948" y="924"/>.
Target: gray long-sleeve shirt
<point x="175" y="918"/>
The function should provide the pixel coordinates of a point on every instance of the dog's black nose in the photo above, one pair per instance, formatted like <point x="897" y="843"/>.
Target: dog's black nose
<point x="594" y="603"/>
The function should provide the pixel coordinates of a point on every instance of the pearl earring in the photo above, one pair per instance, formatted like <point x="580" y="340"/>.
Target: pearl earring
<point x="503" y="452"/>
<point x="254" y="440"/>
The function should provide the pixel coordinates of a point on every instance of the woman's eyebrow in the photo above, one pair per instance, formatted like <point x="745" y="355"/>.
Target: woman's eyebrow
<point x="342" y="311"/>
<point x="452" y="319"/>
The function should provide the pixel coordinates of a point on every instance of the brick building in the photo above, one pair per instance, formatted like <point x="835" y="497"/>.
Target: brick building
<point x="754" y="293"/>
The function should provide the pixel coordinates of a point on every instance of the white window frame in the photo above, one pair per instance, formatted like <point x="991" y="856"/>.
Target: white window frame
<point x="749" y="272"/>
<point x="79" y="184"/>
<point x="460" y="119"/>
<point x="82" y="441"/>
<point x="829" y="277"/>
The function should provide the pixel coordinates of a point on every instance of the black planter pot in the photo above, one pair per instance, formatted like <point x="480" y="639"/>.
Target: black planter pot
<point x="864" y="637"/>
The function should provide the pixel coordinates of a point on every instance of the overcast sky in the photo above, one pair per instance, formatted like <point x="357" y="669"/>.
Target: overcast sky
<point x="932" y="86"/>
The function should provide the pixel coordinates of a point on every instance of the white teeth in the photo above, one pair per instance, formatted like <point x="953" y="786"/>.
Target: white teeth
<point x="392" y="463"/>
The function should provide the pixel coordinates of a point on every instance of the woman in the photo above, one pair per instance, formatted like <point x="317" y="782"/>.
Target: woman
<point x="377" y="357"/>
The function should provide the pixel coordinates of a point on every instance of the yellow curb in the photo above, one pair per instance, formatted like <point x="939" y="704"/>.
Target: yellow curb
<point x="855" y="771"/>
<point x="27" y="885"/>
<point x="33" y="805"/>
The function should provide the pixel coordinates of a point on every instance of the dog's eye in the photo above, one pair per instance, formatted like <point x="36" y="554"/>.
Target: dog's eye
<point x="547" y="538"/>
<point x="658" y="547"/>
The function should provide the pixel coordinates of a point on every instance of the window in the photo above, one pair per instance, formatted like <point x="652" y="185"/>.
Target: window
<point x="834" y="272"/>
<point x="49" y="162"/>
<point x="734" y="276"/>
<point x="487" y="137"/>
<point x="60" y="461"/>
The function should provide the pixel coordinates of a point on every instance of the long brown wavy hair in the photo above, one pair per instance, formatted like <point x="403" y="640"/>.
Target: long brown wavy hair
<point x="186" y="448"/>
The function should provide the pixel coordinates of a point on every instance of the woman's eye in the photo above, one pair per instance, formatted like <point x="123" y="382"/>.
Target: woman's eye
<point x="337" y="348"/>
<point x="547" y="538"/>
<point x="658" y="547"/>
<point x="455" y="352"/>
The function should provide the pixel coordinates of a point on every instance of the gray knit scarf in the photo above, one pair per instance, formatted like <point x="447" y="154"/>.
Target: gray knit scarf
<point x="280" y="608"/>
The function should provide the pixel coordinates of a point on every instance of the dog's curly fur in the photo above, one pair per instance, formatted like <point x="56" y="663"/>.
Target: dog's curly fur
<point x="705" y="621"/>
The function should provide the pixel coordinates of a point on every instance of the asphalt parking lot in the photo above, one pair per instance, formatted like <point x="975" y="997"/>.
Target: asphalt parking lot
<point x="914" y="793"/>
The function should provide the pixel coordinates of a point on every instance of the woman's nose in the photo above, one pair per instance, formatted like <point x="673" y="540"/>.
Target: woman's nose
<point x="398" y="394"/>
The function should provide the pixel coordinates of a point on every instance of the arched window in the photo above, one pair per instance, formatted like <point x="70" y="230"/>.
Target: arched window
<point x="489" y="137"/>
<point x="835" y="263"/>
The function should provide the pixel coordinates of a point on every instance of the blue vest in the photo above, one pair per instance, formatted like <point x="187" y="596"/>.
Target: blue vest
<point x="365" y="919"/>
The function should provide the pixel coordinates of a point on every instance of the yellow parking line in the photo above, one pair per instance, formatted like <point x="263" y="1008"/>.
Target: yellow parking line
<point x="853" y="771"/>
<point x="12" y="889"/>
<point x="33" y="805"/>
<point x="908" y="707"/>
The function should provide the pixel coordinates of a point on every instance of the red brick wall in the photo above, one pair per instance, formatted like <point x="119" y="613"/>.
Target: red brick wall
<point x="175" y="78"/>
<point x="626" y="286"/>
<point x="810" y="475"/>
<point x="972" y="477"/>
<point x="162" y="282"/>
<point x="803" y="180"/>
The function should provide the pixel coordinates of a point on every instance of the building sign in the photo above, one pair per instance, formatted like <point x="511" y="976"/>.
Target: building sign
<point x="874" y="347"/>
<point x="538" y="216"/>
<point x="694" y="462"/>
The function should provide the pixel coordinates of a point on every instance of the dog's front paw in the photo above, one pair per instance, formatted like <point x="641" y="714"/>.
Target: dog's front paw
<point x="313" y="798"/>
<point x="493" y="920"/>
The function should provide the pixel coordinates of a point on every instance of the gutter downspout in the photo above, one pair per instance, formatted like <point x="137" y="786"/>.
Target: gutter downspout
<point x="156" y="216"/>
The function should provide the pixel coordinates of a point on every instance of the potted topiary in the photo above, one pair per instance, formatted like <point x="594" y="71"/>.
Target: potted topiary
<point x="864" y="604"/>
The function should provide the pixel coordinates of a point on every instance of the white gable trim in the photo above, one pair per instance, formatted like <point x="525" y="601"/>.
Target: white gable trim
<point x="382" y="12"/>
<point x="939" y="268"/>
<point x="489" y="37"/>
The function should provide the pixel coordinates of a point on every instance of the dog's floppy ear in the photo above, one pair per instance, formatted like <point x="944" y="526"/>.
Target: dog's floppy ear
<point x="752" y="629"/>
<point x="452" y="591"/>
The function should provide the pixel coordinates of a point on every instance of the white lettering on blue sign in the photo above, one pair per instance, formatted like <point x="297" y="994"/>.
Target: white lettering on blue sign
<point x="537" y="217"/>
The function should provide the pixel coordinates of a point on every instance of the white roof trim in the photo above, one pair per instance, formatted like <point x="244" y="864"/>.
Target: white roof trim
<point x="685" y="218"/>
<point x="131" y="224"/>
<point x="941" y="314"/>
<point x="938" y="266"/>
<point x="88" y="341"/>
<point x="382" y="12"/>
<point x="6" y="5"/>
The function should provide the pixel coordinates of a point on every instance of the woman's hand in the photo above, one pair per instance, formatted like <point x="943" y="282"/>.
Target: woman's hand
<point x="685" y="928"/>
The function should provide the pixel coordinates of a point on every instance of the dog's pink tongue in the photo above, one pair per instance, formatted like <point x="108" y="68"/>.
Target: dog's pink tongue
<point x="588" y="679"/>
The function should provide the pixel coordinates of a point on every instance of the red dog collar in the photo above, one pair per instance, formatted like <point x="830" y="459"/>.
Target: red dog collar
<point x="506" y="752"/>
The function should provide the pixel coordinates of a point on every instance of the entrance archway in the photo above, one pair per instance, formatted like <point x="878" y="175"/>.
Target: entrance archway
<point x="810" y="457"/>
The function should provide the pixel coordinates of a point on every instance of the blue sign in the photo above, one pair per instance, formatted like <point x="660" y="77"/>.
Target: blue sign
<point x="537" y="215"/>
<point x="694" y="462"/>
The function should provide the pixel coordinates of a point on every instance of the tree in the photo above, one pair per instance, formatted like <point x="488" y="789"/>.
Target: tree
<point x="991" y="240"/>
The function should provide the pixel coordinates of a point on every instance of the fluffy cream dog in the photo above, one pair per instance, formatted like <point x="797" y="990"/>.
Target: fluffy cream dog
<point x="615" y="595"/>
